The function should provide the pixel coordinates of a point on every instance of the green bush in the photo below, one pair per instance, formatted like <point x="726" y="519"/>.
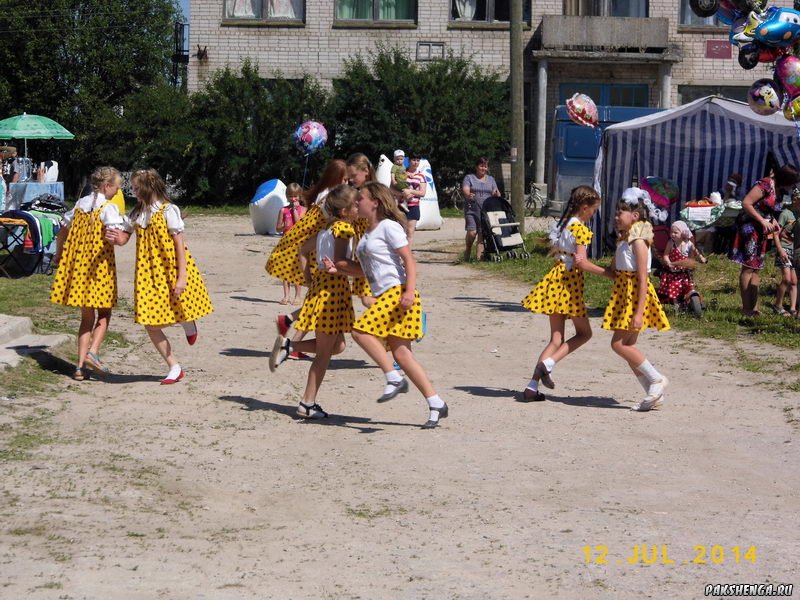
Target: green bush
<point x="448" y="110"/>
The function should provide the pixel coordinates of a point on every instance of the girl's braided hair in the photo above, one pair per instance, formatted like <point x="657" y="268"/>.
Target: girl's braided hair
<point x="583" y="195"/>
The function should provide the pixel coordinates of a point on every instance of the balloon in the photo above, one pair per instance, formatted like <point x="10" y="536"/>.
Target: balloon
<point x="735" y="36"/>
<point x="764" y="97"/>
<point x="748" y="55"/>
<point x="704" y="8"/>
<point x="792" y="109"/>
<point x="310" y="136"/>
<point x="582" y="110"/>
<point x="727" y="13"/>
<point x="663" y="192"/>
<point x="780" y="28"/>
<point x="787" y="74"/>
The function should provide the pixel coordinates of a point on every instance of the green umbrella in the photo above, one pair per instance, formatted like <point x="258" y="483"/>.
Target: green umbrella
<point x="32" y="127"/>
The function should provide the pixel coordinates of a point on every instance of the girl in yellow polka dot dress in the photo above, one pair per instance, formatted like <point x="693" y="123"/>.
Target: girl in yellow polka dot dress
<point x="560" y="294"/>
<point x="328" y="307"/>
<point x="168" y="288"/>
<point x="395" y="318"/>
<point x="634" y="305"/>
<point x="87" y="272"/>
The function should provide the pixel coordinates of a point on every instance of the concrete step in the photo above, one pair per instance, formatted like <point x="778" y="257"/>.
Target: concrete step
<point x="16" y="340"/>
<point x="11" y="352"/>
<point x="13" y="327"/>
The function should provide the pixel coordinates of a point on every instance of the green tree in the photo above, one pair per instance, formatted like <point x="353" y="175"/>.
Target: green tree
<point x="242" y="134"/>
<point x="449" y="110"/>
<point x="76" y="60"/>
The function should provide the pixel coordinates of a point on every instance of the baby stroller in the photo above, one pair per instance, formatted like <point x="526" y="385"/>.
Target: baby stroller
<point x="676" y="286"/>
<point x="501" y="231"/>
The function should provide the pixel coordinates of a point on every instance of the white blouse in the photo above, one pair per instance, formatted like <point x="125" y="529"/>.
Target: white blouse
<point x="109" y="216"/>
<point x="171" y="213"/>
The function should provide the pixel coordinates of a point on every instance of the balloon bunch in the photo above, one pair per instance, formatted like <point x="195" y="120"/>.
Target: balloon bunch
<point x="763" y="35"/>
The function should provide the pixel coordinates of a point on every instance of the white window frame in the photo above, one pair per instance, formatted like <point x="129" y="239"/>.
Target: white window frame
<point x="259" y="10"/>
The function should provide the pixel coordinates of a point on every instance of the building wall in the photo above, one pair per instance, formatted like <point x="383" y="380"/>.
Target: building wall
<point x="320" y="47"/>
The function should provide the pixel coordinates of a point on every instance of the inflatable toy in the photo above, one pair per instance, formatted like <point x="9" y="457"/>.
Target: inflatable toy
<point x="266" y="205"/>
<point x="582" y="110"/>
<point x="310" y="137"/>
<point x="764" y="97"/>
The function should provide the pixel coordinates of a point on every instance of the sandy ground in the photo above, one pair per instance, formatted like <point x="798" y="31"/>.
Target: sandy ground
<point x="211" y="489"/>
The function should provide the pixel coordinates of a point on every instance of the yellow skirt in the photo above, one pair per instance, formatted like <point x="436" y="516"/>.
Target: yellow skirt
<point x="328" y="306"/>
<point x="387" y="318"/>
<point x="559" y="293"/>
<point x="283" y="262"/>
<point x="87" y="275"/>
<point x="620" y="307"/>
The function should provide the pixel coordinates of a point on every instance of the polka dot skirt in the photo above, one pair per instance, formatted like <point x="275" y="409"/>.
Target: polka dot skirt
<point x="559" y="293"/>
<point x="360" y="285"/>
<point x="328" y="306"/>
<point x="620" y="307"/>
<point x="387" y="318"/>
<point x="283" y="262"/>
<point x="87" y="274"/>
<point x="156" y="273"/>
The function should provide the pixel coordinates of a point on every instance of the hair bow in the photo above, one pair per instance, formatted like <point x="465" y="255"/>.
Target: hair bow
<point x="632" y="196"/>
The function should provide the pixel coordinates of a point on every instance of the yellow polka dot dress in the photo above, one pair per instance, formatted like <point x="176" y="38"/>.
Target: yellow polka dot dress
<point x="283" y="262"/>
<point x="560" y="292"/>
<point x="387" y="318"/>
<point x="328" y="306"/>
<point x="156" y="273"/>
<point x="624" y="293"/>
<point x="87" y="274"/>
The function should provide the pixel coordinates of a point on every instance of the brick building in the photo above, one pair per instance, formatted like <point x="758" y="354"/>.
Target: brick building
<point x="622" y="52"/>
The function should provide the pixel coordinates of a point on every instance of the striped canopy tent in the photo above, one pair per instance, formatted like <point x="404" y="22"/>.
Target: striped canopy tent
<point x="696" y="145"/>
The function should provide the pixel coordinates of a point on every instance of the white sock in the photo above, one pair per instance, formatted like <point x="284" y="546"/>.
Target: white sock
<point x="649" y="371"/>
<point x="533" y="385"/>
<point x="434" y="402"/>
<point x="549" y="364"/>
<point x="392" y="378"/>
<point x="174" y="371"/>
<point x="643" y="382"/>
<point x="189" y="327"/>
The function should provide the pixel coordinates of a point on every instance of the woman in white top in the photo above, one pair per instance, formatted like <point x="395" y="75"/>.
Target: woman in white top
<point x="395" y="318"/>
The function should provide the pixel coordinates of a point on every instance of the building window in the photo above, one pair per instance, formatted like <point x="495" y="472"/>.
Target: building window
<point x="427" y="51"/>
<point x="608" y="94"/>
<point x="690" y="93"/>
<point x="265" y="9"/>
<point x="487" y="11"/>
<point x="687" y="17"/>
<point x="376" y="10"/>
<point x="606" y="8"/>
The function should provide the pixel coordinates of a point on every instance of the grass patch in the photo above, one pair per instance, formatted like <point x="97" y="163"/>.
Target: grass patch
<point x="717" y="282"/>
<point x="225" y="209"/>
<point x="27" y="434"/>
<point x="362" y="511"/>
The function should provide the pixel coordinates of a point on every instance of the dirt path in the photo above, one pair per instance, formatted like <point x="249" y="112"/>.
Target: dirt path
<point x="210" y="489"/>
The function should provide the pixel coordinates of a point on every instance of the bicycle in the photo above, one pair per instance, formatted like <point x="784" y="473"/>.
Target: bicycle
<point x="453" y="197"/>
<point x="534" y="201"/>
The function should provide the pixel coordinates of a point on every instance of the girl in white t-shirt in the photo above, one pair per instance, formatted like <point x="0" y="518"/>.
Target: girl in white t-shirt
<point x="394" y="320"/>
<point x="87" y="271"/>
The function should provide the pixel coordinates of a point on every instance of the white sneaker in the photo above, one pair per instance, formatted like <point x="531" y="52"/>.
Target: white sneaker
<point x="280" y="352"/>
<point x="656" y="390"/>
<point x="648" y="404"/>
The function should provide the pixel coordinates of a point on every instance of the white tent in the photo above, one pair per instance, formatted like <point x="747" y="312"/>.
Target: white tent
<point x="696" y="145"/>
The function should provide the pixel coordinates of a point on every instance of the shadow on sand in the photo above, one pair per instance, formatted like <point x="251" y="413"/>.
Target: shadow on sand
<point x="361" y="424"/>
